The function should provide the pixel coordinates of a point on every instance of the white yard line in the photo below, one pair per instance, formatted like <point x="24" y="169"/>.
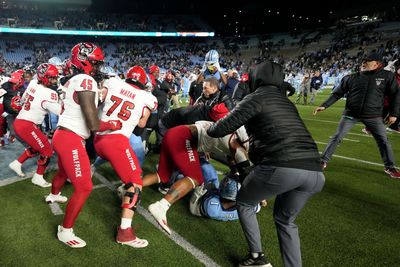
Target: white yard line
<point x="359" y="160"/>
<point x="179" y="240"/>
<point x="351" y="140"/>
<point x="333" y="122"/>
<point x="56" y="209"/>
<point x="362" y="135"/>
<point x="28" y="175"/>
<point x="321" y="143"/>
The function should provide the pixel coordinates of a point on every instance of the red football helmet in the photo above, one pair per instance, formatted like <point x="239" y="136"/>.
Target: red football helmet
<point x="137" y="74"/>
<point x="17" y="77"/>
<point x="66" y="67"/>
<point x="46" y="71"/>
<point x="154" y="68"/>
<point x="87" y="57"/>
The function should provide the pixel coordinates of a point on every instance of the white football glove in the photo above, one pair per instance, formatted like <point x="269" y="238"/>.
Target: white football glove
<point x="195" y="200"/>
<point x="390" y="66"/>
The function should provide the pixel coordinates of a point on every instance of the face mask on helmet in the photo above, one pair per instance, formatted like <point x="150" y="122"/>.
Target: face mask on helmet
<point x="211" y="67"/>
<point x="47" y="74"/>
<point x="17" y="78"/>
<point x="228" y="188"/>
<point x="88" y="58"/>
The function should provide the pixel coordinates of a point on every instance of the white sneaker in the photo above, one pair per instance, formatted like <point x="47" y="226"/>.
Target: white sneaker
<point x="68" y="237"/>
<point x="38" y="179"/>
<point x="16" y="166"/>
<point x="55" y="198"/>
<point x="160" y="215"/>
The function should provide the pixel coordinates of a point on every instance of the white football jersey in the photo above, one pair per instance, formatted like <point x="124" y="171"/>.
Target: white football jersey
<point x="126" y="103"/>
<point x="219" y="145"/>
<point x="72" y="117"/>
<point x="35" y="99"/>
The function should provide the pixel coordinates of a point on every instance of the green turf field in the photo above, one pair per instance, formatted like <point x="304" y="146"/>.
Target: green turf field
<point x="353" y="222"/>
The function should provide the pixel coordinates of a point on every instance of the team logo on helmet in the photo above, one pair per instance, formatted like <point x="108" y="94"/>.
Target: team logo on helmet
<point x="85" y="50"/>
<point x="42" y="69"/>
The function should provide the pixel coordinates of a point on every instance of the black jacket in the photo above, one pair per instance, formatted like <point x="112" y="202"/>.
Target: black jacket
<point x="241" y="90"/>
<point x="365" y="94"/>
<point x="218" y="97"/>
<point x="277" y="134"/>
<point x="185" y="115"/>
<point x="12" y="98"/>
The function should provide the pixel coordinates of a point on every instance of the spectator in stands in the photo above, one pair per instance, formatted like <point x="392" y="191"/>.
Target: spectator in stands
<point x="365" y="98"/>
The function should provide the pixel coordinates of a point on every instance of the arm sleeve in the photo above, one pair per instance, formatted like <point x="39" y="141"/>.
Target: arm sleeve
<point x="243" y="112"/>
<point x="338" y="92"/>
<point x="53" y="107"/>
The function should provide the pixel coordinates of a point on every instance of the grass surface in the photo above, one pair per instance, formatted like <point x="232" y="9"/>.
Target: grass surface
<point x="353" y="222"/>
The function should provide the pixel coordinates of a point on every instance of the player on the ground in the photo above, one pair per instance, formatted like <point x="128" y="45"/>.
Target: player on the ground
<point x="77" y="120"/>
<point x="38" y="100"/>
<point x="130" y="103"/>
<point x="179" y="150"/>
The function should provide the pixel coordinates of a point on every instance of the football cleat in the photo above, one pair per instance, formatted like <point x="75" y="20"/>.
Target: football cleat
<point x="163" y="188"/>
<point x="68" y="237"/>
<point x="16" y="166"/>
<point x="160" y="215"/>
<point x="393" y="172"/>
<point x="38" y="179"/>
<point x="50" y="198"/>
<point x="128" y="237"/>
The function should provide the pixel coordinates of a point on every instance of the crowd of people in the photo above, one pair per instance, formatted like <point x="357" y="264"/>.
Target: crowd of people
<point x="101" y="102"/>
<point x="83" y="19"/>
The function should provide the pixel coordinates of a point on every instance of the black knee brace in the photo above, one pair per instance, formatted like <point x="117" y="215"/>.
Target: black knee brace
<point x="43" y="161"/>
<point x="134" y="197"/>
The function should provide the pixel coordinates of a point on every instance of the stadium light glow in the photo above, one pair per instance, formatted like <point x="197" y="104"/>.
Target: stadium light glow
<point x="105" y="33"/>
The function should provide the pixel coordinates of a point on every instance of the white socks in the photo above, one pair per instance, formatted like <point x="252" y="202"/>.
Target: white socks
<point x="165" y="204"/>
<point x="126" y="223"/>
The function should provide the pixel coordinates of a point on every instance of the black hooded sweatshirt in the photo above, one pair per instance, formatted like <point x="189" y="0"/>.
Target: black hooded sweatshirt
<point x="278" y="136"/>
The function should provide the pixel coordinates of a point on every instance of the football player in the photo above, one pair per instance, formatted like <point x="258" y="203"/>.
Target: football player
<point x="78" y="118"/>
<point x="38" y="100"/>
<point x="129" y="102"/>
<point x="182" y="153"/>
<point x="14" y="88"/>
<point x="218" y="203"/>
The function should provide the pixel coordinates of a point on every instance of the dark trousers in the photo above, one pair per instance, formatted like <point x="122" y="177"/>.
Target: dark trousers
<point x="378" y="131"/>
<point x="292" y="188"/>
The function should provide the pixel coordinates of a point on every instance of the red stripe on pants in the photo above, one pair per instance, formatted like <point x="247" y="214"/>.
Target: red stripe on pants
<point x="73" y="163"/>
<point x="178" y="151"/>
<point x="117" y="150"/>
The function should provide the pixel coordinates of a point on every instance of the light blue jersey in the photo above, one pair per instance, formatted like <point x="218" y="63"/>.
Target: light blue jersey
<point x="212" y="208"/>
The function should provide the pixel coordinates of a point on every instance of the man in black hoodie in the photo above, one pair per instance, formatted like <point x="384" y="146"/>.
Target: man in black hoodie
<point x="286" y="160"/>
<point x="365" y="97"/>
